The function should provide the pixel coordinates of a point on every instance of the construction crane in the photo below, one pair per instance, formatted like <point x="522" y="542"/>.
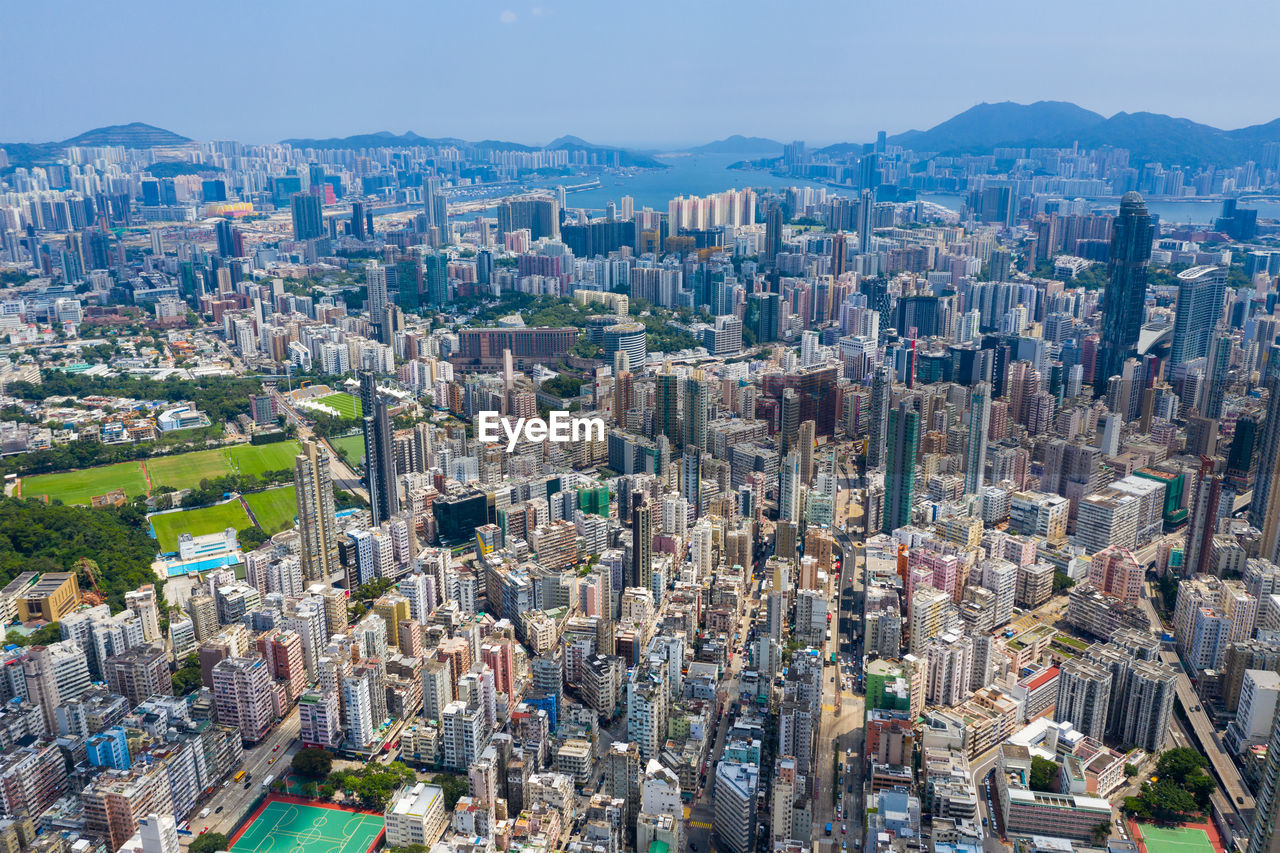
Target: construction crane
<point x="96" y="597"/>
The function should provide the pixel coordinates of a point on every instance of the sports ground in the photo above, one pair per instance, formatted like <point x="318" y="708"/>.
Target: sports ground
<point x="291" y="825"/>
<point x="1177" y="839"/>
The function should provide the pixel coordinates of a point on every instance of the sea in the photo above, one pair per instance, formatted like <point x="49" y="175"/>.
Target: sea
<point x="704" y="174"/>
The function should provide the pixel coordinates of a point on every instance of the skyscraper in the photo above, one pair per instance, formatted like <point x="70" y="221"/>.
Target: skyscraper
<point x="666" y="415"/>
<point x="359" y="226"/>
<point x="696" y="408"/>
<point x="866" y="203"/>
<point x="772" y="235"/>
<point x="308" y="218"/>
<point x="900" y="464"/>
<point x="375" y="278"/>
<point x="434" y="206"/>
<point x="1268" y="451"/>
<point x="641" y="541"/>
<point x="879" y="416"/>
<point x="379" y="451"/>
<point x="1220" y="347"/>
<point x="316" y="522"/>
<point x="789" y="487"/>
<point x="1126" y="290"/>
<point x="976" y="453"/>
<point x="1200" y="293"/>
<point x="789" y="431"/>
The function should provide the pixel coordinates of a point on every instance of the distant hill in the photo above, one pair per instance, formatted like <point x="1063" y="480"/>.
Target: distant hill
<point x="1149" y="136"/>
<point x="386" y="139"/>
<point x="753" y="146"/>
<point x="132" y="135"/>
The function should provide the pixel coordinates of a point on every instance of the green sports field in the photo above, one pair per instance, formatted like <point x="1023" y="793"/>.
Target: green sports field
<point x="198" y="522"/>
<point x="284" y="827"/>
<point x="274" y="509"/>
<point x="77" y="487"/>
<point x="1175" y="839"/>
<point x="181" y="471"/>
<point x="353" y="444"/>
<point x="347" y="405"/>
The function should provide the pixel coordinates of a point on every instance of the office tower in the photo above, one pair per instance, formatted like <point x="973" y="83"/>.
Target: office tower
<point x="975" y="459"/>
<point x="1126" y="290"/>
<point x="666" y="415"/>
<point x="308" y="219"/>
<point x="806" y="445"/>
<point x="435" y="279"/>
<point x="641" y="541"/>
<point x="735" y="812"/>
<point x="696" y="409"/>
<point x="317" y="524"/>
<point x="772" y="235"/>
<point x="379" y="451"/>
<point x="1205" y="510"/>
<point x="1084" y="694"/>
<point x="435" y="208"/>
<point x="1261" y="508"/>
<point x="1200" y="294"/>
<point x="1216" y="372"/>
<point x="789" y="427"/>
<point x="359" y="227"/>
<point x="230" y="243"/>
<point x="866" y="203"/>
<point x="900" y="465"/>
<point x="881" y="391"/>
<point x="375" y="277"/>
<point x="789" y="488"/>
<point x="1241" y="461"/>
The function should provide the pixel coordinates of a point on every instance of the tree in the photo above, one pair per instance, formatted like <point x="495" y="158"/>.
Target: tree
<point x="1130" y="769"/>
<point x="1101" y="832"/>
<point x="209" y="842"/>
<point x="1062" y="582"/>
<point x="454" y="787"/>
<point x="42" y="636"/>
<point x="1043" y="772"/>
<point x="187" y="678"/>
<point x="313" y="762"/>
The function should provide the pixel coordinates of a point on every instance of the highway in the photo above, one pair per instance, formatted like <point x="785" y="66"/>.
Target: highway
<point x="342" y="475"/>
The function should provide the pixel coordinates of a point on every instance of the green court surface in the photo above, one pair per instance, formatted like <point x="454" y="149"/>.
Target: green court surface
<point x="290" y="828"/>
<point x="1177" y="839"/>
<point x="348" y="406"/>
<point x="78" y="487"/>
<point x="186" y="470"/>
<point x="256" y="458"/>
<point x="274" y="509"/>
<point x="198" y="522"/>
<point x="353" y="444"/>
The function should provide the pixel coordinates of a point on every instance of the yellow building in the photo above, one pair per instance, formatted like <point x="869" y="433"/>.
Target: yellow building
<point x="50" y="598"/>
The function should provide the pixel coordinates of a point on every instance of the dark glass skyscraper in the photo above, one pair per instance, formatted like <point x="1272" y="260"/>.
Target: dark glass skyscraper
<point x="379" y="451"/>
<point x="900" y="467"/>
<point x="1126" y="290"/>
<point x="308" y="216"/>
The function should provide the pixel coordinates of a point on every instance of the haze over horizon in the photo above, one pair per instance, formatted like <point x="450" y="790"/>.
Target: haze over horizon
<point x="831" y="74"/>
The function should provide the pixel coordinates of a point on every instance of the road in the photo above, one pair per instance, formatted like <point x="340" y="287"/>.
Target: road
<point x="1207" y="739"/>
<point x="702" y="811"/>
<point x="235" y="799"/>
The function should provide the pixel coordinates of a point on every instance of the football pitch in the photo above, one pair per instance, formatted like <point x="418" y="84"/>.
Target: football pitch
<point x="181" y="471"/>
<point x="286" y="827"/>
<point x="348" y="406"/>
<point x="198" y="522"/>
<point x="274" y="509"/>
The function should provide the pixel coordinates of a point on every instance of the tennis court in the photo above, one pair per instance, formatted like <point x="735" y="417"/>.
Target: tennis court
<point x="1175" y="839"/>
<point x="290" y="827"/>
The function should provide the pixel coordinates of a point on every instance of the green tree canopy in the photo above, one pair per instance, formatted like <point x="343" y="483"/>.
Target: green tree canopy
<point x="313" y="762"/>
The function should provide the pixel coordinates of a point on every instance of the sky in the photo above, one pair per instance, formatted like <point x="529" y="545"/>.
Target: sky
<point x="657" y="74"/>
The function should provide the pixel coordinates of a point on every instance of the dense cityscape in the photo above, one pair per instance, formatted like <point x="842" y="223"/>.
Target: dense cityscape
<point x="918" y="494"/>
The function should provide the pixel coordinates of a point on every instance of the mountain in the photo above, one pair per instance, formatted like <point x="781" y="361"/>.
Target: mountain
<point x="570" y="141"/>
<point x="986" y="126"/>
<point x="752" y="146"/>
<point x="132" y="135"/>
<point x="1162" y="138"/>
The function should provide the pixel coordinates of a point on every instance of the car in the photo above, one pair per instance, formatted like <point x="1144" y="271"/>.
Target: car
<point x="218" y="810"/>
<point x="246" y="785"/>
<point x="203" y="831"/>
<point x="271" y="761"/>
<point x="275" y="748"/>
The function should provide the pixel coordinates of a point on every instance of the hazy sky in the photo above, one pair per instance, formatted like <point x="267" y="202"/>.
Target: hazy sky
<point x="655" y="73"/>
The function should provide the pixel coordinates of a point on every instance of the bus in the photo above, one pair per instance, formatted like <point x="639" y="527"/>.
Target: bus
<point x="239" y="776"/>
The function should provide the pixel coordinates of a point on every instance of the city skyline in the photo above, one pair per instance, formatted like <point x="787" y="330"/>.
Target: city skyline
<point x="262" y="87"/>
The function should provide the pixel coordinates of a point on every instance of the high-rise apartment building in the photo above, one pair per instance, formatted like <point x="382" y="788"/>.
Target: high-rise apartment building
<point x="317" y="522"/>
